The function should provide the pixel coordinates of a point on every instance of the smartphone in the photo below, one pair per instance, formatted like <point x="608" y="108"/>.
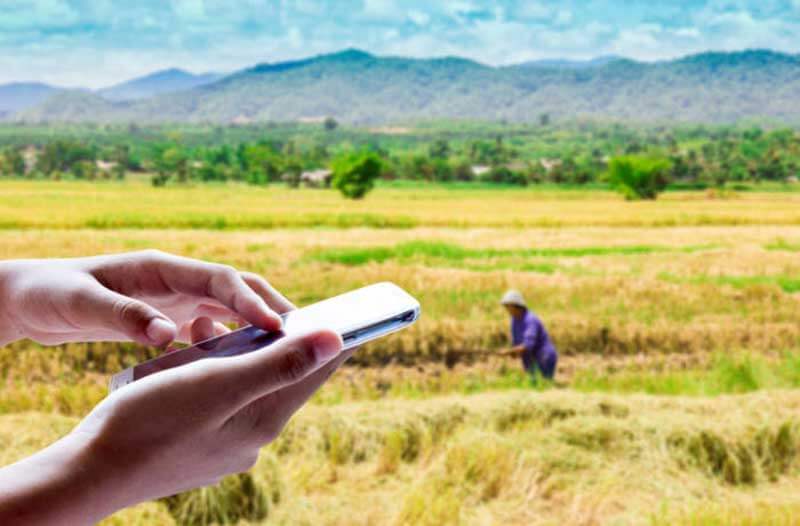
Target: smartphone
<point x="359" y="316"/>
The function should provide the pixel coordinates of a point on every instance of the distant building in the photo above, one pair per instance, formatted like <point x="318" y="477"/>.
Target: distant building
<point x="316" y="178"/>
<point x="312" y="119"/>
<point x="241" y="120"/>
<point x="480" y="170"/>
<point x="106" y="166"/>
<point x="549" y="164"/>
<point x="30" y="154"/>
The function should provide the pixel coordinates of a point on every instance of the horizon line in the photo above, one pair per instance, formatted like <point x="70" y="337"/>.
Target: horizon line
<point x="340" y="51"/>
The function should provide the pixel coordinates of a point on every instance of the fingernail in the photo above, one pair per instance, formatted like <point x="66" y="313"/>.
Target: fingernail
<point x="326" y="348"/>
<point x="160" y="331"/>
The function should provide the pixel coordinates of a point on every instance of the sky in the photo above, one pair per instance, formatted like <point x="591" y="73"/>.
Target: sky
<point x="96" y="43"/>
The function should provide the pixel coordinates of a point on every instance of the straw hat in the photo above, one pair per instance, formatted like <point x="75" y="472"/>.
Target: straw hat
<point x="514" y="297"/>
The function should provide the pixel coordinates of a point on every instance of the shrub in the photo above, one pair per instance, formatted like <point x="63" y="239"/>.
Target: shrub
<point x="504" y="175"/>
<point x="639" y="177"/>
<point x="293" y="175"/>
<point x="354" y="174"/>
<point x="462" y="171"/>
<point x="235" y="498"/>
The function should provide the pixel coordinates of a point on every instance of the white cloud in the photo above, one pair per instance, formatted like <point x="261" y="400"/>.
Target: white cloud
<point x="381" y="9"/>
<point x="295" y="37"/>
<point x="536" y="11"/>
<point x="191" y="9"/>
<point x="563" y="17"/>
<point x="420" y="18"/>
<point x="99" y="42"/>
<point x="687" y="32"/>
<point x="38" y="14"/>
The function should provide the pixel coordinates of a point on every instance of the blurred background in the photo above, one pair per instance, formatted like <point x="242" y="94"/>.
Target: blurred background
<point x="632" y="169"/>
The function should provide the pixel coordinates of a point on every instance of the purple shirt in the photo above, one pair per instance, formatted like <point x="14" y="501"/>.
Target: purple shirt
<point x="529" y="331"/>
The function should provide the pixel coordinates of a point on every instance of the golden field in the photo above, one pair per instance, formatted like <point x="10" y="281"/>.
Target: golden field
<point x="57" y="204"/>
<point x="677" y="321"/>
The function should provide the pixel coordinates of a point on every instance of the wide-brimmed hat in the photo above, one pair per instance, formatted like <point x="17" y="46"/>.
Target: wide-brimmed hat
<point x="514" y="297"/>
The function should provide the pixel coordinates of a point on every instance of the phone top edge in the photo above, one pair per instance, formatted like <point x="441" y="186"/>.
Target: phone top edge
<point x="376" y="305"/>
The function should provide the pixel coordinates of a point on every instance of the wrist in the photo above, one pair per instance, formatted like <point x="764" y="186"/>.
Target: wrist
<point x="62" y="484"/>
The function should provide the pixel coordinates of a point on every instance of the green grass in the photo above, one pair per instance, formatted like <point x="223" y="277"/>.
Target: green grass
<point x="788" y="284"/>
<point x="727" y="375"/>
<point x="211" y="221"/>
<point x="781" y="245"/>
<point x="436" y="252"/>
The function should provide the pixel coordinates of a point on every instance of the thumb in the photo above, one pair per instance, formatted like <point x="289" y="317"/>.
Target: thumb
<point x="135" y="319"/>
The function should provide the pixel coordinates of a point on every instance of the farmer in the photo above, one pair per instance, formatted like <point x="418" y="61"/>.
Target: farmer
<point x="529" y="337"/>
<point x="180" y="429"/>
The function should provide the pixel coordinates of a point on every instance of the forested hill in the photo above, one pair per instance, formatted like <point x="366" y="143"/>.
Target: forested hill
<point x="353" y="86"/>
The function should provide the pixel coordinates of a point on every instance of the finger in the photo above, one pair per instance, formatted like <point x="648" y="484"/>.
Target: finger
<point x="105" y="309"/>
<point x="217" y="313"/>
<point x="202" y="329"/>
<point x="220" y="329"/>
<point x="280" y="365"/>
<point x="209" y="280"/>
<point x="274" y="299"/>
<point x="262" y="420"/>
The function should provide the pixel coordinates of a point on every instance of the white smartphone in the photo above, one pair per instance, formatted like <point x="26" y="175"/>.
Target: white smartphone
<point x="358" y="316"/>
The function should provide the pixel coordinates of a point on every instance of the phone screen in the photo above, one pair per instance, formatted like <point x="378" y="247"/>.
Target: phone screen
<point x="357" y="316"/>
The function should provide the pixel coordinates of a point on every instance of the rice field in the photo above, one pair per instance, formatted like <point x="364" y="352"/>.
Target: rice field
<point x="677" y="320"/>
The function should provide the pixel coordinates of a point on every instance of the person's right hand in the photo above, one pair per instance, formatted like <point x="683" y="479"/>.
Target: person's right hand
<point x="170" y="432"/>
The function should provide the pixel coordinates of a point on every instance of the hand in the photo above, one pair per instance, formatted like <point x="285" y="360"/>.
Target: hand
<point x="148" y="297"/>
<point x="170" y="432"/>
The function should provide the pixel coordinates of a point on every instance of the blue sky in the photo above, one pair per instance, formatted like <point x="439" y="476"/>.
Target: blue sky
<point x="99" y="42"/>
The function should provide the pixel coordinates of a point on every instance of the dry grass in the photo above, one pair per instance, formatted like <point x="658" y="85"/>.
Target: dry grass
<point x="109" y="206"/>
<point x="515" y="458"/>
<point x="636" y="296"/>
<point x="736" y="293"/>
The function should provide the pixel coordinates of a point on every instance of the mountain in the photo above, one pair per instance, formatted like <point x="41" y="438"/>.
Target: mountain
<point x="22" y="95"/>
<point x="357" y="87"/>
<point x="572" y="64"/>
<point x="167" y="81"/>
<point x="69" y="106"/>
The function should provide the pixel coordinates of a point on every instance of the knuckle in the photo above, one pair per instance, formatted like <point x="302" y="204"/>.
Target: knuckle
<point x="294" y="365"/>
<point x="128" y="310"/>
<point x="224" y="277"/>
<point x="151" y="254"/>
<point x="229" y="274"/>
<point x="256" y="278"/>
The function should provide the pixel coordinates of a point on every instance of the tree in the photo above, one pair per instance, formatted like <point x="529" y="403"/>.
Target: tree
<point x="293" y="174"/>
<point x="462" y="171"/>
<point x="505" y="175"/>
<point x="174" y="161"/>
<point x="85" y="170"/>
<point x="261" y="163"/>
<point x="544" y="119"/>
<point x="330" y="124"/>
<point x="440" y="149"/>
<point x="14" y="162"/>
<point x="354" y="174"/>
<point x="62" y="155"/>
<point x="639" y="177"/>
<point x="121" y="157"/>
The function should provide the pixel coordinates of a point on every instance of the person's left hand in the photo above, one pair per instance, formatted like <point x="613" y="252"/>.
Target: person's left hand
<point x="148" y="297"/>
